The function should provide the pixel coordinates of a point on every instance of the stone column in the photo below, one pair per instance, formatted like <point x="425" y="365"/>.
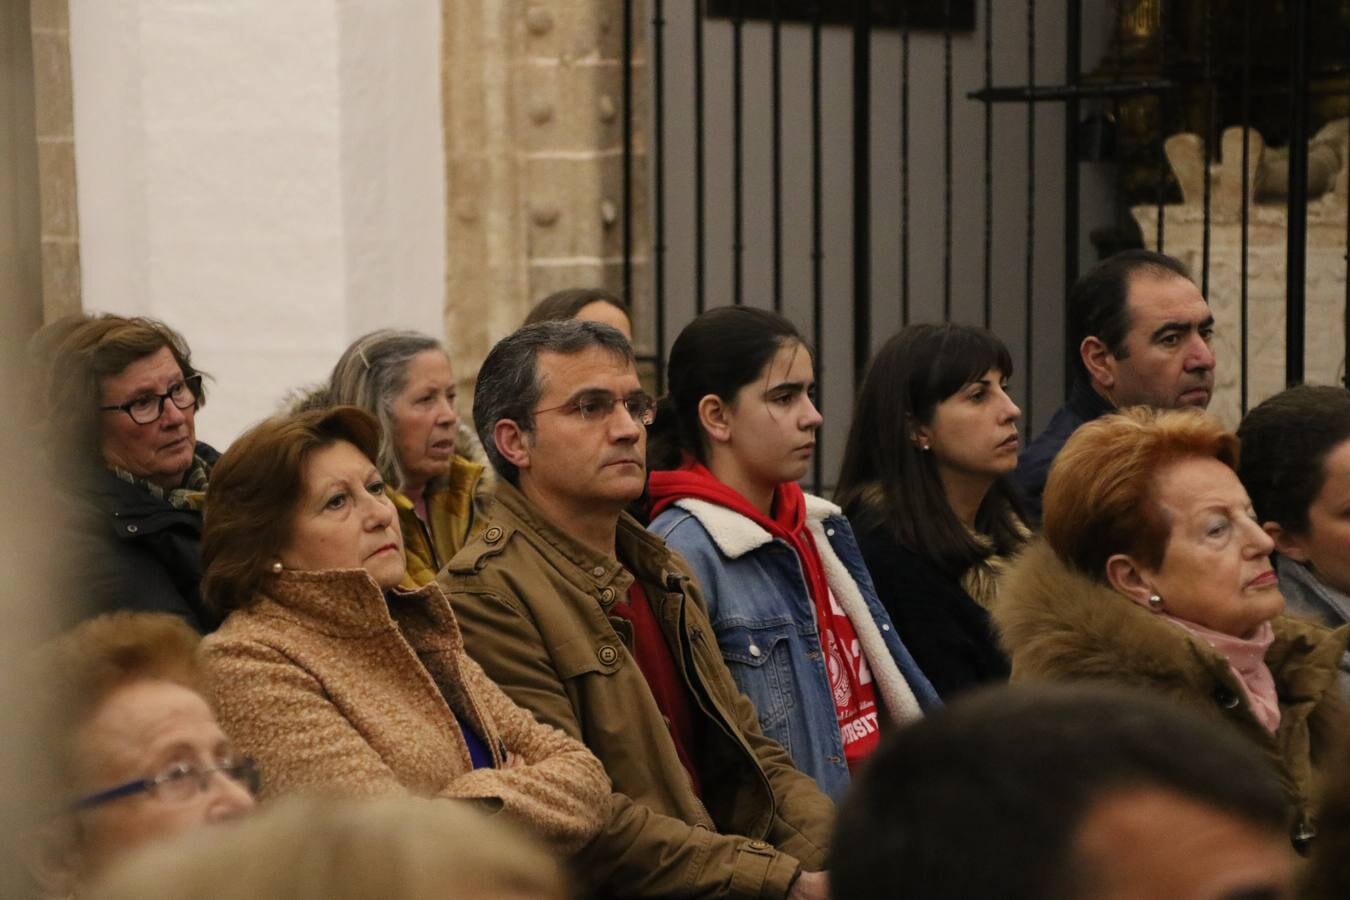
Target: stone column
<point x="534" y="145"/>
<point x="60" y="228"/>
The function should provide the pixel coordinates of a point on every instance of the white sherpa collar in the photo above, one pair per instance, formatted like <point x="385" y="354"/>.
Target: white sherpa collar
<point x="734" y="534"/>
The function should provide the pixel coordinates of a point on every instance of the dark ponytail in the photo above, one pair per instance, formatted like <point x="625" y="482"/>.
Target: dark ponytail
<point x="718" y="353"/>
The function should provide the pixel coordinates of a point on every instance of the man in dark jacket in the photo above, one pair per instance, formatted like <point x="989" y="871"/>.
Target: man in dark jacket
<point x="1139" y="335"/>
<point x="592" y="623"/>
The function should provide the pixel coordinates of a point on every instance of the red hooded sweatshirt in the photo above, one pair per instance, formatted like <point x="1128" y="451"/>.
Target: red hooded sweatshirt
<point x="850" y="681"/>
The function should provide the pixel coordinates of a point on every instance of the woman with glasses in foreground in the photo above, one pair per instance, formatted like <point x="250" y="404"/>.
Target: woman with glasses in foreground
<point x="795" y="613"/>
<point x="138" y="753"/>
<point x="118" y="400"/>
<point x="334" y="678"/>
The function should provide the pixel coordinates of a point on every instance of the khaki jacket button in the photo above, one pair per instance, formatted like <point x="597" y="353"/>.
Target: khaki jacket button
<point x="607" y="594"/>
<point x="492" y="535"/>
<point x="608" y="655"/>
<point x="598" y="571"/>
<point x="758" y="845"/>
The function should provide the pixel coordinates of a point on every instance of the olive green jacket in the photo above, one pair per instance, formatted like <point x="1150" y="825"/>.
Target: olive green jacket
<point x="535" y="608"/>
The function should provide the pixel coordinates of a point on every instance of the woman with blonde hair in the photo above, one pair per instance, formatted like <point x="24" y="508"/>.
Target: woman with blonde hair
<point x="434" y="468"/>
<point x="1154" y="572"/>
<point x="138" y="755"/>
<point x="394" y="848"/>
<point x="336" y="679"/>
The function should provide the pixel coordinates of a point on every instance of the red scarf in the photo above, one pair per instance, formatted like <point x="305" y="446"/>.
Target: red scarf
<point x="850" y="679"/>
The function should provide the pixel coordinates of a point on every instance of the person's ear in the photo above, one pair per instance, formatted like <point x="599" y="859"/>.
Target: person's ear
<point x="714" y="417"/>
<point x="921" y="436"/>
<point x="1099" y="361"/>
<point x="1286" y="542"/>
<point x="513" y="443"/>
<point x="1129" y="579"/>
<point x="52" y="854"/>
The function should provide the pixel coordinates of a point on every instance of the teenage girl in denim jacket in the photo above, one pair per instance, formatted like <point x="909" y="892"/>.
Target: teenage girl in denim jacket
<point x="795" y="612"/>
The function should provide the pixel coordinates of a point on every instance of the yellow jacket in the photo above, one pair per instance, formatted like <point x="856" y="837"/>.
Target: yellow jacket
<point x="455" y="506"/>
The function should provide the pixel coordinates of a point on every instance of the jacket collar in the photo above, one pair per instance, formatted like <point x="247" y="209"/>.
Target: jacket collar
<point x="734" y="534"/>
<point x="1047" y="610"/>
<point x="344" y="602"/>
<point x="587" y="569"/>
<point x="1086" y="403"/>
<point x="1298" y="579"/>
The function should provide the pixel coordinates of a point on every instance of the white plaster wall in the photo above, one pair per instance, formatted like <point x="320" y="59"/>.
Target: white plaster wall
<point x="257" y="175"/>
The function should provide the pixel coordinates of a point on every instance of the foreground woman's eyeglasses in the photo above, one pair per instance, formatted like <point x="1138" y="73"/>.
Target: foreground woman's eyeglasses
<point x="181" y="781"/>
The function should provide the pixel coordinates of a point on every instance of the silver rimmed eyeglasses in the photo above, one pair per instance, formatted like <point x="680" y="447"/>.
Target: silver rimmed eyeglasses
<point x="179" y="782"/>
<point x="147" y="408"/>
<point x="599" y="406"/>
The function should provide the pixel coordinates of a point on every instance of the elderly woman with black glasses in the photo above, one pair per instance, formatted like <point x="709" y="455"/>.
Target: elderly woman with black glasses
<point x="119" y="398"/>
<point x="138" y="754"/>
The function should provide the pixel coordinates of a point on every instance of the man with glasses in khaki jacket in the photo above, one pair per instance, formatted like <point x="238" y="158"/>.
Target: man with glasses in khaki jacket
<point x="589" y="621"/>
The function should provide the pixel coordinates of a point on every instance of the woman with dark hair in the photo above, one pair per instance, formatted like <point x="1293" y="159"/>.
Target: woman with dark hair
<point x="924" y="481"/>
<point x="1295" y="464"/>
<point x="790" y="600"/>
<point x="435" y="470"/>
<point x="119" y="399"/>
<point x="335" y="679"/>
<point x="587" y="304"/>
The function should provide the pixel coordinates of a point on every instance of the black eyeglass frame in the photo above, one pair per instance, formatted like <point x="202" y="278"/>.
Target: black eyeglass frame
<point x="191" y="382"/>
<point x="243" y="771"/>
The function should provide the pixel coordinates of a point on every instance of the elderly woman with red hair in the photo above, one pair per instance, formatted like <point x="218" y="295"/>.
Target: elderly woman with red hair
<point x="1154" y="572"/>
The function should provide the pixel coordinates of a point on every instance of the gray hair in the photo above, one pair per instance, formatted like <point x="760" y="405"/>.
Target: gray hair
<point x="509" y="386"/>
<point x="370" y="374"/>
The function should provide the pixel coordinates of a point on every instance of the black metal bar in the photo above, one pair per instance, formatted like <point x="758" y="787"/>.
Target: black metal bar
<point x="1163" y="107"/>
<point x="1029" y="322"/>
<point x="1246" y="186"/>
<point x="1296" y="261"/>
<point x="862" y="187"/>
<point x="628" y="154"/>
<point x="1073" y="64"/>
<point x="700" y="187"/>
<point x="817" y="245"/>
<point x="946" y="160"/>
<point x="904" y="164"/>
<point x="737" y="155"/>
<point x="988" y="167"/>
<point x="776" y="102"/>
<point x="1211" y="112"/>
<point x="1021" y="94"/>
<point x="659" y="182"/>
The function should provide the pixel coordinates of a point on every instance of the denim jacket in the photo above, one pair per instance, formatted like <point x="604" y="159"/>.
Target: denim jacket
<point x="765" y="623"/>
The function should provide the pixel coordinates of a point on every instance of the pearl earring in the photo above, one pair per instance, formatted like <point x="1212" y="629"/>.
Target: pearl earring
<point x="1155" y="602"/>
<point x="277" y="567"/>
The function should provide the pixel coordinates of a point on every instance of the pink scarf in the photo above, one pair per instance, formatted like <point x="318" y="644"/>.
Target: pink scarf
<point x="1247" y="661"/>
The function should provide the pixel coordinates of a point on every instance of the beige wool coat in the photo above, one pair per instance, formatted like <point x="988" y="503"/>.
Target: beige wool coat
<point x="333" y="689"/>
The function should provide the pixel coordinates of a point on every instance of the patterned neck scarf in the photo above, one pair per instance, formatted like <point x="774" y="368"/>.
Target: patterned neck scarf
<point x="190" y="495"/>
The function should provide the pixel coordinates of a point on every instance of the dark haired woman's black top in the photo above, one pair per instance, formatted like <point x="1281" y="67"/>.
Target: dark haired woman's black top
<point x="949" y="635"/>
